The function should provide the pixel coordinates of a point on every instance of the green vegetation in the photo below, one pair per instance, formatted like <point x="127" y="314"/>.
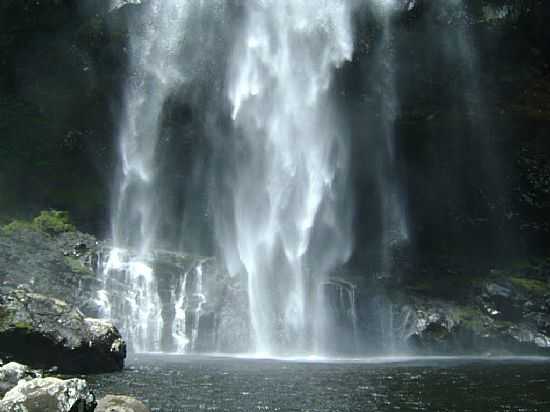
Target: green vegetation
<point x="77" y="266"/>
<point x="444" y="286"/>
<point x="17" y="225"/>
<point x="470" y="316"/>
<point x="22" y="325"/>
<point x="51" y="222"/>
<point x="536" y="287"/>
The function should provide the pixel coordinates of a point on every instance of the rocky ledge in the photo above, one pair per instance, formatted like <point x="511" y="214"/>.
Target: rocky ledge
<point x="45" y="332"/>
<point x="503" y="313"/>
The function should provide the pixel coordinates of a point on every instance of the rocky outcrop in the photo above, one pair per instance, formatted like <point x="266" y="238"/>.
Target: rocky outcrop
<point x="199" y="306"/>
<point x="183" y="303"/>
<point x="49" y="394"/>
<point x="117" y="403"/>
<point x="45" y="332"/>
<point x="12" y="373"/>
<point x="502" y="315"/>
<point x="53" y="264"/>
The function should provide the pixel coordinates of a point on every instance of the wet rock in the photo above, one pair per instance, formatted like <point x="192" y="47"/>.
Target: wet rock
<point x="477" y="326"/>
<point x="197" y="305"/>
<point x="116" y="403"/>
<point x="49" y="394"/>
<point x="57" y="266"/>
<point x="45" y="332"/>
<point x="12" y="373"/>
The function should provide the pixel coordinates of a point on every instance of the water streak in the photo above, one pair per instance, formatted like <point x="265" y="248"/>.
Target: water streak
<point x="291" y="220"/>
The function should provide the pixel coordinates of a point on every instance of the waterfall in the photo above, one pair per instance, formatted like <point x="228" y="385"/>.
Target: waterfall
<point x="154" y="74"/>
<point x="340" y="317"/>
<point x="394" y="224"/>
<point x="130" y="297"/>
<point x="188" y="306"/>
<point x="290" y="211"/>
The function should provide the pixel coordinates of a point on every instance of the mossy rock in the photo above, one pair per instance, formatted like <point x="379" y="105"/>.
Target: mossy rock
<point x="52" y="222"/>
<point x="470" y="316"/>
<point x="17" y="226"/>
<point x="76" y="266"/>
<point x="23" y="325"/>
<point x="533" y="286"/>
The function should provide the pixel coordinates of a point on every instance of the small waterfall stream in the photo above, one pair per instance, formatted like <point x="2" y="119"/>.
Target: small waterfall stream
<point x="189" y="298"/>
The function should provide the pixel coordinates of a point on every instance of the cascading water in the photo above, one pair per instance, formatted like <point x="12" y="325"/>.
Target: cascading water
<point x="155" y="73"/>
<point x="130" y="297"/>
<point x="189" y="301"/>
<point x="285" y="221"/>
<point x="291" y="217"/>
<point x="394" y="224"/>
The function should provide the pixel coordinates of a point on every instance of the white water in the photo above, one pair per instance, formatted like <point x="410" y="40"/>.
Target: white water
<point x="154" y="73"/>
<point x="291" y="220"/>
<point x="189" y="301"/>
<point x="129" y="297"/>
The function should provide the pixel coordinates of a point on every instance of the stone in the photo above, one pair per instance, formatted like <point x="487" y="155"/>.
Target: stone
<point x="117" y="403"/>
<point x="11" y="373"/>
<point x="49" y="394"/>
<point x="44" y="332"/>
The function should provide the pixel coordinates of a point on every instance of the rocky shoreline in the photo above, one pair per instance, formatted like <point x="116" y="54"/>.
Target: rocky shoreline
<point x="31" y="390"/>
<point x="47" y="330"/>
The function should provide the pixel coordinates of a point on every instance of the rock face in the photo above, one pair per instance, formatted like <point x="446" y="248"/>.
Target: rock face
<point x="173" y="302"/>
<point x="55" y="265"/>
<point x="12" y="373"/>
<point x="45" y="332"/>
<point x="503" y="315"/>
<point x="115" y="403"/>
<point x="199" y="307"/>
<point x="49" y="394"/>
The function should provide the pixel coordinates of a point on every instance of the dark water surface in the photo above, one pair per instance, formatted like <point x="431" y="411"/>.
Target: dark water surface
<point x="177" y="383"/>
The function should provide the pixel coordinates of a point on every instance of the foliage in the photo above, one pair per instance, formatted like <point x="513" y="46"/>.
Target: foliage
<point x="51" y="222"/>
<point x="17" y="225"/>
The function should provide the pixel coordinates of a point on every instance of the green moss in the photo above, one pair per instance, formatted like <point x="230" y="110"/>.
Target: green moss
<point x="76" y="266"/>
<point x="22" y="325"/>
<point x="17" y="225"/>
<point x="536" y="287"/>
<point x="444" y="286"/>
<point x="48" y="221"/>
<point x="53" y="222"/>
<point x="470" y="316"/>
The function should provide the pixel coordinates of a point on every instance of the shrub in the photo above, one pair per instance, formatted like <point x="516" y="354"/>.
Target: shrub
<point x="52" y="222"/>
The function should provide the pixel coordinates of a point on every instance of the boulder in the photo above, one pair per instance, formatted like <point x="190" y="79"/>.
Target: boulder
<point x="61" y="266"/>
<point x="12" y="373"/>
<point x="44" y="332"/>
<point x="49" y="394"/>
<point x="486" y="325"/>
<point x="116" y="403"/>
